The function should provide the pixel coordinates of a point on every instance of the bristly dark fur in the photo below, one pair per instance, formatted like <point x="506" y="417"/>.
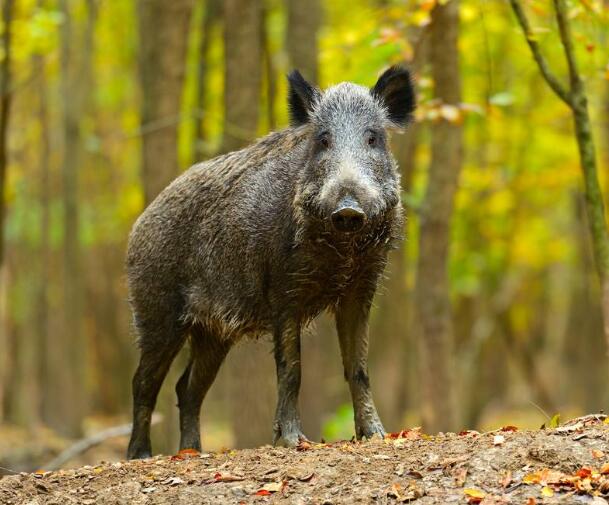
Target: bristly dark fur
<point x="302" y="96"/>
<point x="394" y="88"/>
<point x="245" y="245"/>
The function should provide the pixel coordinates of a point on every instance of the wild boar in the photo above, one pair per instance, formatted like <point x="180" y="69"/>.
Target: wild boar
<point x="260" y="241"/>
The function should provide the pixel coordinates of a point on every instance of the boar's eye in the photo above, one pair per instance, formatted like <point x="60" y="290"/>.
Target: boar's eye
<point x="324" y="140"/>
<point x="372" y="138"/>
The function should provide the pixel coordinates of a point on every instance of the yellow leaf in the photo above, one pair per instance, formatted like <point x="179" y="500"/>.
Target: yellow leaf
<point x="273" y="487"/>
<point x="555" y="421"/>
<point x="474" y="493"/>
<point x="547" y="491"/>
<point x="531" y="478"/>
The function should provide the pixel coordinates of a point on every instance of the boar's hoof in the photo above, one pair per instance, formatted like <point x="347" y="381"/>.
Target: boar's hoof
<point x="139" y="454"/>
<point x="287" y="436"/>
<point x="290" y="440"/>
<point x="371" y="430"/>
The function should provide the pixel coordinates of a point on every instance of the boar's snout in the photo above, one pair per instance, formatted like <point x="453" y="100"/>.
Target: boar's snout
<point x="348" y="216"/>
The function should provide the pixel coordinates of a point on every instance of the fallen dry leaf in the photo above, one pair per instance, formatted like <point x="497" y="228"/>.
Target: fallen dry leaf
<point x="459" y="474"/>
<point x="304" y="445"/>
<point x="273" y="487"/>
<point x="506" y="480"/>
<point x="474" y="495"/>
<point x="584" y="472"/>
<point x="185" y="454"/>
<point x="219" y="477"/>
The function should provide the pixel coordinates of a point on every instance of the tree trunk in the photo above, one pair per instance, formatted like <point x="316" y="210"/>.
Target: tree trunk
<point x="210" y="19"/>
<point x="304" y="19"/>
<point x="5" y="107"/>
<point x="251" y="376"/>
<point x="242" y="72"/>
<point x="392" y="345"/>
<point x="76" y="69"/>
<point x="163" y="37"/>
<point x="433" y="306"/>
<point x="270" y="71"/>
<point x="47" y="371"/>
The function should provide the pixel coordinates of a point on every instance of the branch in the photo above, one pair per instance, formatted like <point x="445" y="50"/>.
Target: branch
<point x="567" y="44"/>
<point x="85" y="444"/>
<point x="550" y="78"/>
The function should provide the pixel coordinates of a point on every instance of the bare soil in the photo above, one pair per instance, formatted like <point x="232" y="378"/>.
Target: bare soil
<point x="569" y="464"/>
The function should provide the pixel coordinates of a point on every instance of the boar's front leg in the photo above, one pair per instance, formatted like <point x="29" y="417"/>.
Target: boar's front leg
<point x="287" y="429"/>
<point x="352" y="326"/>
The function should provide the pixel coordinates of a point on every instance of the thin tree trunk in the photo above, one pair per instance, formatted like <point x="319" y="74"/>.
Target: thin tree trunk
<point x="46" y="369"/>
<point x="433" y="306"/>
<point x="304" y="19"/>
<point x="242" y="72"/>
<point x="210" y="19"/>
<point x="163" y="37"/>
<point x="251" y="368"/>
<point x="576" y="99"/>
<point x="392" y="347"/>
<point x="76" y="68"/>
<point x="270" y="72"/>
<point x="5" y="107"/>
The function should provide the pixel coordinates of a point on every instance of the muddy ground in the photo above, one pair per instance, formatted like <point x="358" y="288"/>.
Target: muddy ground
<point x="568" y="464"/>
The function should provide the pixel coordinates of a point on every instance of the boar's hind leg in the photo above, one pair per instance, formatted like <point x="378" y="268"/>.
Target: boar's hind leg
<point x="207" y="354"/>
<point x="287" y="429"/>
<point x="158" y="347"/>
<point x="352" y="326"/>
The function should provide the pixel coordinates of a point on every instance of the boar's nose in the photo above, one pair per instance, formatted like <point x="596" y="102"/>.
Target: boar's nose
<point x="348" y="216"/>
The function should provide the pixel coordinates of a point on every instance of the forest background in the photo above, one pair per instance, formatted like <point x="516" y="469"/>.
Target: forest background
<point x="491" y="309"/>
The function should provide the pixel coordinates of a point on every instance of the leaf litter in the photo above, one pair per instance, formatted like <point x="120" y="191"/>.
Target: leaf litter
<point x="566" y="464"/>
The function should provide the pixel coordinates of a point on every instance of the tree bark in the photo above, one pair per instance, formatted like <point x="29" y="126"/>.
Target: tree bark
<point x="5" y="107"/>
<point x="251" y="376"/>
<point x="76" y="69"/>
<point x="433" y="306"/>
<point x="47" y="370"/>
<point x="270" y="71"/>
<point x="304" y="19"/>
<point x="242" y="72"/>
<point x="210" y="19"/>
<point x="163" y="36"/>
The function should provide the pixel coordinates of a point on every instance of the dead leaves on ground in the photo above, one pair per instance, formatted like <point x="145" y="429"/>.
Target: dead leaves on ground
<point x="586" y="481"/>
<point x="411" y="492"/>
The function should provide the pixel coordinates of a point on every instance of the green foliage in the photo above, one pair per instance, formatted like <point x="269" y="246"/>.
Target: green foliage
<point x="340" y="425"/>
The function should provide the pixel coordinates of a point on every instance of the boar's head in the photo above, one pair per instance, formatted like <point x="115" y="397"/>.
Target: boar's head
<point x="350" y="179"/>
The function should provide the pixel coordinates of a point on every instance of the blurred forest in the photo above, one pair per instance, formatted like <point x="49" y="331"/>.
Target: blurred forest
<point x="491" y="311"/>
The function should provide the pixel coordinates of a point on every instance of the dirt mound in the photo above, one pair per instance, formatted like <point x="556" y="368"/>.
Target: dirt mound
<point x="569" y="464"/>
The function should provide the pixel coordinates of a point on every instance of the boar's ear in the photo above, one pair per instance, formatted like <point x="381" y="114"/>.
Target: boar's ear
<point x="302" y="96"/>
<point x="395" y="91"/>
